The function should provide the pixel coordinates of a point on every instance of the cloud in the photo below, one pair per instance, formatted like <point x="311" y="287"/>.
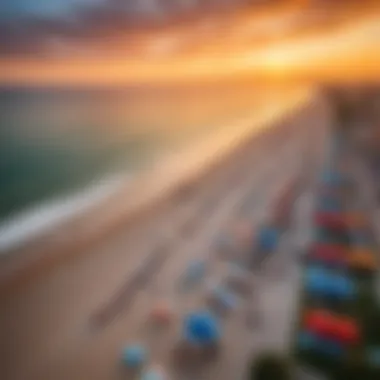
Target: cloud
<point x="28" y="27"/>
<point x="50" y="8"/>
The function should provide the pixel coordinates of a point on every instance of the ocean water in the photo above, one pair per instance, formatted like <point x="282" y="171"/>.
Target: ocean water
<point x="53" y="144"/>
<point x="61" y="150"/>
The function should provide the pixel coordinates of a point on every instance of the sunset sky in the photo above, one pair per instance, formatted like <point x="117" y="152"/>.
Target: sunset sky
<point x="109" y="42"/>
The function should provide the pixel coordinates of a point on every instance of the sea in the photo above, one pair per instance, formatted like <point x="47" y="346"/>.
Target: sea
<point x="62" y="150"/>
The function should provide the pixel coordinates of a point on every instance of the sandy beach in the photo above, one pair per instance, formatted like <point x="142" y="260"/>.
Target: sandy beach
<point x="132" y="200"/>
<point x="47" y="322"/>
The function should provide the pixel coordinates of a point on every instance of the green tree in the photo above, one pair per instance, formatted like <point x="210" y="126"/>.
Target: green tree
<point x="270" y="366"/>
<point x="353" y="370"/>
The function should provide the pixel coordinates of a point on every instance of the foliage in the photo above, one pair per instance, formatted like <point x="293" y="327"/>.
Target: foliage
<point x="270" y="366"/>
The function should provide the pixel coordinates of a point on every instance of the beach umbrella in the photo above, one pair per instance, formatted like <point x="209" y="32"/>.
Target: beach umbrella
<point x="268" y="238"/>
<point x="316" y="279"/>
<point x="341" y="287"/>
<point x="162" y="313"/>
<point x="319" y="322"/>
<point x="347" y="330"/>
<point x="315" y="287"/>
<point x="193" y="275"/>
<point x="315" y="272"/>
<point x="330" y="220"/>
<point x="331" y="327"/>
<point x="327" y="257"/>
<point x="134" y="356"/>
<point x="201" y="328"/>
<point x="324" y="284"/>
<point x="329" y="251"/>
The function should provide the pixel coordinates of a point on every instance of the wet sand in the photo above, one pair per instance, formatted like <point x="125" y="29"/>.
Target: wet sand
<point x="47" y="326"/>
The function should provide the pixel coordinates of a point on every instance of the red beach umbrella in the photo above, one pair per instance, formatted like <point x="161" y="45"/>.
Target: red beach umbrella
<point x="319" y="322"/>
<point x="329" y="250"/>
<point x="347" y="331"/>
<point x="336" y="221"/>
<point x="329" y="253"/>
<point x="324" y="324"/>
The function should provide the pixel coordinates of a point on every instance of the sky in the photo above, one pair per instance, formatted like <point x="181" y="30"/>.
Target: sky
<point x="122" y="41"/>
<point x="17" y="8"/>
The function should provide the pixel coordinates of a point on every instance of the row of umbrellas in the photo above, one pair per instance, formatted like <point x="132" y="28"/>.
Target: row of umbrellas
<point x="202" y="329"/>
<point x="338" y="255"/>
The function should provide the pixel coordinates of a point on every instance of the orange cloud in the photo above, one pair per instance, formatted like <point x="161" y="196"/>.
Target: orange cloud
<point x="208" y="52"/>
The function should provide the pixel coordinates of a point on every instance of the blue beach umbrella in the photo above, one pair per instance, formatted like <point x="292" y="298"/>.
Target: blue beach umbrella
<point x="316" y="283"/>
<point x="316" y="272"/>
<point x="201" y="328"/>
<point x="134" y="356"/>
<point x="322" y="283"/>
<point x="341" y="287"/>
<point x="268" y="239"/>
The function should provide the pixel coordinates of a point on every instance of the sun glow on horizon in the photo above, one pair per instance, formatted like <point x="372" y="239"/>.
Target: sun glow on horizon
<point x="350" y="52"/>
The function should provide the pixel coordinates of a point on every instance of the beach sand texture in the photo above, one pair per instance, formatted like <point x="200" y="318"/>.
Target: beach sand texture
<point x="46" y="326"/>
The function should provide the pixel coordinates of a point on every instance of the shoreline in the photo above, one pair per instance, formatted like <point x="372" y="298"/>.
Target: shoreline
<point x="136" y="199"/>
<point x="45" y="216"/>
